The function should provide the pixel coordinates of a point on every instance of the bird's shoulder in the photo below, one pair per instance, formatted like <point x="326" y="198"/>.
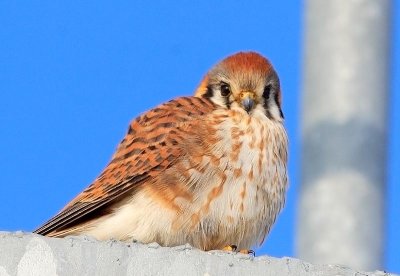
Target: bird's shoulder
<point x="151" y="145"/>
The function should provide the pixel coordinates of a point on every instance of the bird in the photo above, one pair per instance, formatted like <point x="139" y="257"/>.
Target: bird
<point x="209" y="170"/>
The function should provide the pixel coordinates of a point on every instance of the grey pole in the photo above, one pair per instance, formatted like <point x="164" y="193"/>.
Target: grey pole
<point x="344" y="125"/>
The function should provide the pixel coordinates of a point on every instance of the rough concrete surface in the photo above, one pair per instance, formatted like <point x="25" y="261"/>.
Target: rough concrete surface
<point x="31" y="254"/>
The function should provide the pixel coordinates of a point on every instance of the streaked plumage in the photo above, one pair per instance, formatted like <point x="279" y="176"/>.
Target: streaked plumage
<point x="208" y="170"/>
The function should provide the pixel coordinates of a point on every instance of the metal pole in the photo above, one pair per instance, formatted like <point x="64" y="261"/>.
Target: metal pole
<point x="344" y="124"/>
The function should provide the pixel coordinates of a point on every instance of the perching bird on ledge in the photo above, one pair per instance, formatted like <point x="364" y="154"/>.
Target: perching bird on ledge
<point x="208" y="170"/>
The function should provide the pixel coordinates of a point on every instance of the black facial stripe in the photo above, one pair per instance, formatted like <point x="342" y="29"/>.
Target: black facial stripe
<point x="209" y="93"/>
<point x="276" y="98"/>
<point x="281" y="113"/>
<point x="266" y="106"/>
<point x="227" y="103"/>
<point x="267" y="91"/>
<point x="267" y="113"/>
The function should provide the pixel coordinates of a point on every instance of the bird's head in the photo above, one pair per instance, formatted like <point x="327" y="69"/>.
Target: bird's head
<point x="244" y="80"/>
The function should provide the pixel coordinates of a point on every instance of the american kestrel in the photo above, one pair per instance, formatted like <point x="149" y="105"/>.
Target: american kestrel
<point x="208" y="170"/>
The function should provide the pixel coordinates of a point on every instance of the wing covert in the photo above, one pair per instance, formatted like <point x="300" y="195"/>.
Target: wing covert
<point x="150" y="146"/>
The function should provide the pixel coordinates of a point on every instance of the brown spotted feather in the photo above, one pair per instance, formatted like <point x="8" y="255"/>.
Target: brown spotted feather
<point x="150" y="147"/>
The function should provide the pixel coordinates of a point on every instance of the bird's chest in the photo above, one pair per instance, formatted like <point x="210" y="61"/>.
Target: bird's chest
<point x="249" y="159"/>
<point x="248" y="182"/>
<point x="236" y="172"/>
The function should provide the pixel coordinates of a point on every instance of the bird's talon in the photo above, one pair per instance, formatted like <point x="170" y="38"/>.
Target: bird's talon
<point x="230" y="248"/>
<point x="248" y="252"/>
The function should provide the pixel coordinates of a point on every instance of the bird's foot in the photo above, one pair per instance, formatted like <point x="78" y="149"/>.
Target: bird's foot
<point x="230" y="248"/>
<point x="233" y="248"/>
<point x="248" y="252"/>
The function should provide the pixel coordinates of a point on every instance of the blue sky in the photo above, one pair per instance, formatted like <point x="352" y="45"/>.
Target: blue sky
<point x="73" y="74"/>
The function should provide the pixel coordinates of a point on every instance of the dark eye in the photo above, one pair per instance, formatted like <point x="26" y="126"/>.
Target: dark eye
<point x="225" y="90"/>
<point x="267" y="92"/>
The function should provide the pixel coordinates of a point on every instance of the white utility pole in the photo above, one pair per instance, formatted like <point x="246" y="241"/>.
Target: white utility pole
<point x="344" y="132"/>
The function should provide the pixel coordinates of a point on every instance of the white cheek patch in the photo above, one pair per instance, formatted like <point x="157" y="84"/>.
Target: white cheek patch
<point x="274" y="110"/>
<point x="218" y="99"/>
<point x="226" y="102"/>
<point x="259" y="111"/>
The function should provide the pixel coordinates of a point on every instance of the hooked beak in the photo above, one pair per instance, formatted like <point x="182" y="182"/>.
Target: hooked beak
<point x="248" y="100"/>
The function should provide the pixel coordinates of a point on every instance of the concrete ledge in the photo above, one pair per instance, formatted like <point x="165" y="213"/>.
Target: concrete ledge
<point x="31" y="254"/>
